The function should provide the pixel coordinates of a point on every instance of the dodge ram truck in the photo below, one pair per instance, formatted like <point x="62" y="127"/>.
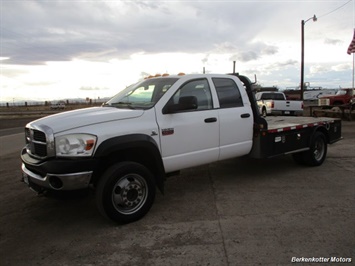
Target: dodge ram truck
<point x="126" y="148"/>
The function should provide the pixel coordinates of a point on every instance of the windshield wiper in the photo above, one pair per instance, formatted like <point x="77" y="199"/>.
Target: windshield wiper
<point x="123" y="104"/>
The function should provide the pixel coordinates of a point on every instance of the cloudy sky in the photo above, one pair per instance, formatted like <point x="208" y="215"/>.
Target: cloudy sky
<point x="61" y="49"/>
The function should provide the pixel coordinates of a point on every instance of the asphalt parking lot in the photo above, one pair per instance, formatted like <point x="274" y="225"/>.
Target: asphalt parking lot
<point x="236" y="212"/>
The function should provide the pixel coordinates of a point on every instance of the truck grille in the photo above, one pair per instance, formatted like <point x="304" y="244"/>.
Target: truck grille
<point x="39" y="136"/>
<point x="36" y="142"/>
<point x="322" y="102"/>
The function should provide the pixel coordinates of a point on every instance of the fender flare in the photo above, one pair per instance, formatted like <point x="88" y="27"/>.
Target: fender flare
<point x="135" y="141"/>
<point x="322" y="129"/>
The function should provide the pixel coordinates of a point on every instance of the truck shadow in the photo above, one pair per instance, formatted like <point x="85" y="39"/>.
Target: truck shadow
<point x="68" y="195"/>
<point x="255" y="168"/>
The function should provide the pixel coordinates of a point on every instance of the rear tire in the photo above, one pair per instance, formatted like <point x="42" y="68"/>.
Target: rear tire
<point x="318" y="150"/>
<point x="317" y="153"/>
<point x="125" y="192"/>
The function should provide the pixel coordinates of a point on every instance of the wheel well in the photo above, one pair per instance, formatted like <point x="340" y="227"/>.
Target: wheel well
<point x="324" y="131"/>
<point x="141" y="155"/>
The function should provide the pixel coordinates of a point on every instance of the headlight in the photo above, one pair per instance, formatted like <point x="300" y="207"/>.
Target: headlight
<point x="74" y="145"/>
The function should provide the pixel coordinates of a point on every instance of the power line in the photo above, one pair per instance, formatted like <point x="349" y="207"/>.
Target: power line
<point x="326" y="14"/>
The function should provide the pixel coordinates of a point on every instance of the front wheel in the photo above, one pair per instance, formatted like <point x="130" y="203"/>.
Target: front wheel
<point x="125" y="192"/>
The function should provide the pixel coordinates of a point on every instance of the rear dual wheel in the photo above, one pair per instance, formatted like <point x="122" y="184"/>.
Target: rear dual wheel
<point x="317" y="153"/>
<point x="125" y="192"/>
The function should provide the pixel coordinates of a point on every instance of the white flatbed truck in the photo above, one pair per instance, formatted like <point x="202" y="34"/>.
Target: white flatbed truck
<point x="127" y="147"/>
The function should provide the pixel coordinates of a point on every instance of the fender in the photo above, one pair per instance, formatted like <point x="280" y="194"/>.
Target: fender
<point x="321" y="128"/>
<point x="131" y="142"/>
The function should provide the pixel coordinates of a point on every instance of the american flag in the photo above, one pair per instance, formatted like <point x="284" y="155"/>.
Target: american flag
<point x="351" y="48"/>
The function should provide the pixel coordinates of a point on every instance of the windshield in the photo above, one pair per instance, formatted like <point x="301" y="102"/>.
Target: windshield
<point x="341" y="92"/>
<point x="142" y="95"/>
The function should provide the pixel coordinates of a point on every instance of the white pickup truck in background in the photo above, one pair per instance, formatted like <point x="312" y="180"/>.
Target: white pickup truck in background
<point x="275" y="103"/>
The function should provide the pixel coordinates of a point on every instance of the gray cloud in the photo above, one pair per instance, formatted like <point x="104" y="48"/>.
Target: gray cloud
<point x="256" y="50"/>
<point x="246" y="56"/>
<point x="332" y="41"/>
<point x="286" y="63"/>
<point x="35" y="32"/>
<point x="269" y="50"/>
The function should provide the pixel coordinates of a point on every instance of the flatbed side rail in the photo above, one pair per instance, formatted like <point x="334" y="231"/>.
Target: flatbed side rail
<point x="292" y="138"/>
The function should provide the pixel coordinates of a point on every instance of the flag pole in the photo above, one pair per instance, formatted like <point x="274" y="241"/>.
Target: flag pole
<point x="351" y="50"/>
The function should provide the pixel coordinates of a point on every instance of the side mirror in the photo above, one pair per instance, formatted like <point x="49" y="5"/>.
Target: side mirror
<point x="186" y="103"/>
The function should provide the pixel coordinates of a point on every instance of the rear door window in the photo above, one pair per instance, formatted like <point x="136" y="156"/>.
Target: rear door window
<point x="228" y="93"/>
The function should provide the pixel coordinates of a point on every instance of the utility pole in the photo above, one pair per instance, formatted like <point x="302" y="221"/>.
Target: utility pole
<point x="302" y="54"/>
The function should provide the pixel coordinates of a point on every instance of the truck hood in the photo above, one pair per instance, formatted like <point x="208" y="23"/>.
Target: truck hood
<point x="326" y="96"/>
<point x="85" y="117"/>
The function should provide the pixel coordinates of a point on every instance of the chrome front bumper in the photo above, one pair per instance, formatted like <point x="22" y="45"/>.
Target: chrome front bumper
<point x="71" y="181"/>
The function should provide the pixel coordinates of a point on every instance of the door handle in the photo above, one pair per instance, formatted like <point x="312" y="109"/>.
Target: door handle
<point x="211" y="120"/>
<point x="245" y="115"/>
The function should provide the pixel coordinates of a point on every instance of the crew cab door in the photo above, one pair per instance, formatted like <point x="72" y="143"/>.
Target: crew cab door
<point x="235" y="118"/>
<point x="189" y="127"/>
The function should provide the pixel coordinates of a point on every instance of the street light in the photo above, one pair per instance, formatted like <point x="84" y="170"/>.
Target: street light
<point x="302" y="52"/>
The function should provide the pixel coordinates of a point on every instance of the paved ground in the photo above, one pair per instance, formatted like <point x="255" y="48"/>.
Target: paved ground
<point x="236" y="212"/>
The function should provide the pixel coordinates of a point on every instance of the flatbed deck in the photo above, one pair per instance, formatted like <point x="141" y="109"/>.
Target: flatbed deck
<point x="282" y="123"/>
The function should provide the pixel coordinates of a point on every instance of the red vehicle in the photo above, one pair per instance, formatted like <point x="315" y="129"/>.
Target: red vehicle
<point x="343" y="96"/>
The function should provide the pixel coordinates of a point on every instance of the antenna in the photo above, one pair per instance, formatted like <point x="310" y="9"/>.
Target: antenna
<point x="255" y="79"/>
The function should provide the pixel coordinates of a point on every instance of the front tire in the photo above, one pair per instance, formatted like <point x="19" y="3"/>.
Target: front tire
<point x="125" y="192"/>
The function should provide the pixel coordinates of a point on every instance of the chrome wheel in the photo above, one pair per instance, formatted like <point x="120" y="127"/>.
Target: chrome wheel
<point x="319" y="149"/>
<point x="125" y="192"/>
<point x="129" y="193"/>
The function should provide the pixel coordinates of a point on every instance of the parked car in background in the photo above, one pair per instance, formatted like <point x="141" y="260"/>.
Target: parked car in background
<point x="343" y="96"/>
<point x="275" y="103"/>
<point x="58" y="105"/>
